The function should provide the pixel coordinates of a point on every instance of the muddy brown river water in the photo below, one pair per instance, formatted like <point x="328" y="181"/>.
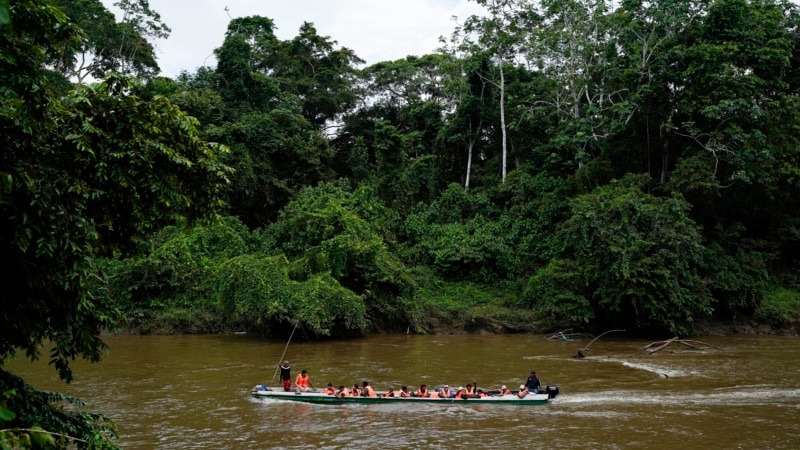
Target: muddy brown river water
<point x="192" y="392"/>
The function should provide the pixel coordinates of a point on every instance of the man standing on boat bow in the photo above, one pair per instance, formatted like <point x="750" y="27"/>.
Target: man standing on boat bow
<point x="286" y="376"/>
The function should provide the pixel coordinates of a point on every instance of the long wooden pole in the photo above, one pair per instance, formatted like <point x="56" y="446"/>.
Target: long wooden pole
<point x="598" y="337"/>
<point x="284" y="352"/>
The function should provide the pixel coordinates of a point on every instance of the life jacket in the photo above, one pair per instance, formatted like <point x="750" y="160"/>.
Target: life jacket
<point x="404" y="394"/>
<point x="329" y="390"/>
<point x="388" y="394"/>
<point x="470" y="392"/>
<point x="344" y="392"/>
<point x="369" y="392"/>
<point x="445" y="393"/>
<point x="423" y="394"/>
<point x="460" y="393"/>
<point x="355" y="393"/>
<point x="434" y="394"/>
<point x="482" y="394"/>
<point x="301" y="382"/>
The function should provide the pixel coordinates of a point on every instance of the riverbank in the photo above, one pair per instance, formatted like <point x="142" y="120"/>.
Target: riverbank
<point x="474" y="321"/>
<point x="726" y="328"/>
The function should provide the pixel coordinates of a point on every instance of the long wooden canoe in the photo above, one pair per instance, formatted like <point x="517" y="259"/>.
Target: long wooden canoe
<point x="318" y="397"/>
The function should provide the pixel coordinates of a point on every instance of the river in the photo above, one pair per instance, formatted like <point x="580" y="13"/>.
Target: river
<point x="192" y="392"/>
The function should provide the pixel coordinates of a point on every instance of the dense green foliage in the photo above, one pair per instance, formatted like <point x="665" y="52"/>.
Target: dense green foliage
<point x="88" y="174"/>
<point x="556" y="162"/>
<point x="650" y="154"/>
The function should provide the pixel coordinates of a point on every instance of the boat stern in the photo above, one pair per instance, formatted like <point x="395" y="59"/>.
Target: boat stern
<point x="552" y="392"/>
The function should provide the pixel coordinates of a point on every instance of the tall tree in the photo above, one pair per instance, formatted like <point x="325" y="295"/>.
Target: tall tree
<point x="499" y="35"/>
<point x="81" y="176"/>
<point x="322" y="76"/>
<point x="124" y="47"/>
<point x="574" y="47"/>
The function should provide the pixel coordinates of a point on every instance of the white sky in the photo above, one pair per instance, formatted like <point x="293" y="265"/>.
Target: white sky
<point x="376" y="30"/>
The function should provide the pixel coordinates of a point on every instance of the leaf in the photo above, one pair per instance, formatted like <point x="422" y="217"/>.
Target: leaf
<point x="5" y="15"/>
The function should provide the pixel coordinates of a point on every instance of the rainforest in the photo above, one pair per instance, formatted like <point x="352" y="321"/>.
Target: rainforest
<point x="553" y="164"/>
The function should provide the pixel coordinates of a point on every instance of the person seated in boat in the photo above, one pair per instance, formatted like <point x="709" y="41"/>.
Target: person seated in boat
<point x="422" y="391"/>
<point x="389" y="393"/>
<point x="533" y="383"/>
<point x="504" y="391"/>
<point x="286" y="376"/>
<point x="523" y="391"/>
<point x="342" y="392"/>
<point x="367" y="391"/>
<point x="404" y="392"/>
<point x="355" y="391"/>
<point x="329" y="390"/>
<point x="435" y="394"/>
<point x="470" y="390"/>
<point x="461" y="393"/>
<point x="303" y="381"/>
<point x="446" y="392"/>
<point x="481" y="394"/>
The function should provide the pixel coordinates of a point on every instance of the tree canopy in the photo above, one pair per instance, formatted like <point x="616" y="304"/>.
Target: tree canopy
<point x="86" y="175"/>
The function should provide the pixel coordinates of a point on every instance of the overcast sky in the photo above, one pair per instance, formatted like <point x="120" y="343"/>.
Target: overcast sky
<point x="377" y="30"/>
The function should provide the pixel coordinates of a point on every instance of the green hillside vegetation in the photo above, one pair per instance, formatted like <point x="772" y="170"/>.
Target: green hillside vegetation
<point x="635" y="168"/>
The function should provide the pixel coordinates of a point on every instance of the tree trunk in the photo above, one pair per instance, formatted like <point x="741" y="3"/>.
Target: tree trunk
<point x="503" y="115"/>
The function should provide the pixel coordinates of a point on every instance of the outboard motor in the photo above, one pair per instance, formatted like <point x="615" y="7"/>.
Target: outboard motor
<point x="552" y="391"/>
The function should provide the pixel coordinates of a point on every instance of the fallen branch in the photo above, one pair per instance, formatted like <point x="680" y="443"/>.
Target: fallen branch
<point x="567" y="335"/>
<point x="579" y="353"/>
<point x="660" y="345"/>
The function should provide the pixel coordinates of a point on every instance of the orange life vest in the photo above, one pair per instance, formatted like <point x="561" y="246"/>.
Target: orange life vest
<point x="470" y="391"/>
<point x="434" y="394"/>
<point x="369" y="392"/>
<point x="423" y="394"/>
<point x="329" y="390"/>
<point x="404" y="394"/>
<point x="301" y="381"/>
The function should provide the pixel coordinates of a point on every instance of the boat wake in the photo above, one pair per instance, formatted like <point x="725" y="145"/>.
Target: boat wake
<point x="738" y="396"/>
<point x="662" y="371"/>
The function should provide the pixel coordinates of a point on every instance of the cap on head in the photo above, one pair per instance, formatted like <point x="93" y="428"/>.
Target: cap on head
<point x="503" y="387"/>
<point x="446" y="386"/>
<point x="522" y="386"/>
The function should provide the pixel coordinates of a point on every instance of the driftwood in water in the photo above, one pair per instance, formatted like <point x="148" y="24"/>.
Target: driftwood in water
<point x="580" y="353"/>
<point x="567" y="335"/>
<point x="660" y="345"/>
